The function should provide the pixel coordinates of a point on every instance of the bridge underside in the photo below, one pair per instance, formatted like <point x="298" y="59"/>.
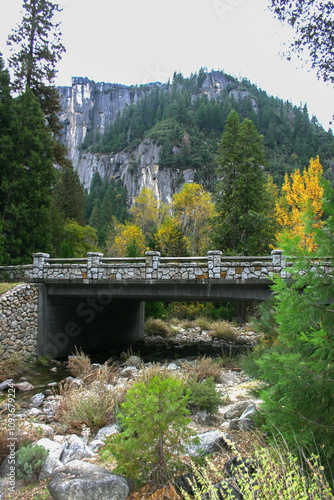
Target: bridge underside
<point x="97" y="316"/>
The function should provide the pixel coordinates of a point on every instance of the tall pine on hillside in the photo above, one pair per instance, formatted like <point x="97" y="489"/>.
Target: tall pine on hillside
<point x="244" y="224"/>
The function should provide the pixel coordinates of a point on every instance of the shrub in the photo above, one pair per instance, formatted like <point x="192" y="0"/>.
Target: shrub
<point x="94" y="406"/>
<point x="273" y="472"/>
<point x="203" y="396"/>
<point x="29" y="461"/>
<point x="156" y="327"/>
<point x="223" y="330"/>
<point x="79" y="364"/>
<point x="204" y="323"/>
<point x="203" y="368"/>
<point x="154" y="419"/>
<point x="13" y="366"/>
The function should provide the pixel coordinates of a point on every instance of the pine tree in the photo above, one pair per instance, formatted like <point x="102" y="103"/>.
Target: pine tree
<point x="298" y="368"/>
<point x="243" y="204"/>
<point x="68" y="193"/>
<point x="36" y="48"/>
<point x="27" y="173"/>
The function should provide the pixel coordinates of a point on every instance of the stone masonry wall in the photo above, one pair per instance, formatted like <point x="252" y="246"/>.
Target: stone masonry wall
<point x="19" y="320"/>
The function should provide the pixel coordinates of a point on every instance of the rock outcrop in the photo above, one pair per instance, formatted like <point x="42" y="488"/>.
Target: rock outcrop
<point x="91" y="107"/>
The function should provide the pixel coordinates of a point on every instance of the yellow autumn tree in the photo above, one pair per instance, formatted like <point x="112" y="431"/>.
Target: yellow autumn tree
<point x="193" y="209"/>
<point x="301" y="198"/>
<point x="127" y="240"/>
<point x="145" y="212"/>
<point x="169" y="239"/>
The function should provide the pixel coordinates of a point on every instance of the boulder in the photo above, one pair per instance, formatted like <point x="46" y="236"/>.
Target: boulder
<point x="208" y="442"/>
<point x="250" y="410"/>
<point x="55" y="449"/>
<point x="96" y="445"/>
<point x="24" y="386"/>
<point x="104" y="432"/>
<point x="134" y="361"/>
<point x="37" y="400"/>
<point x="49" y="466"/>
<point x="85" y="481"/>
<point x="75" y="449"/>
<point x="6" y="384"/>
<point x="235" y="410"/>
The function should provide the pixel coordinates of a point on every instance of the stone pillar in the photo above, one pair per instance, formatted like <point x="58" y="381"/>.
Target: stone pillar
<point x="152" y="265"/>
<point x="214" y="263"/>
<point x="278" y="261"/>
<point x="93" y="264"/>
<point x="38" y="261"/>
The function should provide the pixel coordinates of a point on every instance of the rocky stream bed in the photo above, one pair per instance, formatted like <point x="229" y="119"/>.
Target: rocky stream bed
<point x="73" y="468"/>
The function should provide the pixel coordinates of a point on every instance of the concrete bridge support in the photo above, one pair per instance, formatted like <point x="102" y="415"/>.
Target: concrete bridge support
<point x="96" y="322"/>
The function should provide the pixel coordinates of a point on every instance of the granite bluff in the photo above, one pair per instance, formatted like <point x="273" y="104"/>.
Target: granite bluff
<point x="88" y="106"/>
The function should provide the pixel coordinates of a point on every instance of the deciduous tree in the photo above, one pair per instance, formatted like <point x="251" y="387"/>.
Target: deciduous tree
<point x="193" y="209"/>
<point x="126" y="241"/>
<point x="302" y="198"/>
<point x="170" y="240"/>
<point x="313" y="22"/>
<point x="145" y="212"/>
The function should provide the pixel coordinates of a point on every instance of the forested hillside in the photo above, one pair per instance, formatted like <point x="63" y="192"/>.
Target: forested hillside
<point x="187" y="117"/>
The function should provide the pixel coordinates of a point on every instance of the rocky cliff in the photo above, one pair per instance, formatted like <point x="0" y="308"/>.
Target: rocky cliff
<point x="89" y="106"/>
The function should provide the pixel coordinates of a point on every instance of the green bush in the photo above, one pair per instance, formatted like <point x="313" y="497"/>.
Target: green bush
<point x="29" y="461"/>
<point x="154" y="419"/>
<point x="155" y="310"/>
<point x="203" y="395"/>
<point x="194" y="310"/>
<point x="272" y="473"/>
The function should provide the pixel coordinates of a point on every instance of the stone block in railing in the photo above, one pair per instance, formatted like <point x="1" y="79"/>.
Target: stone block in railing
<point x="278" y="260"/>
<point x="93" y="264"/>
<point x="152" y="264"/>
<point x="38" y="262"/>
<point x="214" y="263"/>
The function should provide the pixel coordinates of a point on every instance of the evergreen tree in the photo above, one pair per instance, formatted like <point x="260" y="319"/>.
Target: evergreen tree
<point x="299" y="367"/>
<point x="35" y="50"/>
<point x="68" y="193"/>
<point x="243" y="204"/>
<point x="27" y="173"/>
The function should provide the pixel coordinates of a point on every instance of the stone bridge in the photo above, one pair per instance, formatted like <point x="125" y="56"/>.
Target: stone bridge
<point x="97" y="302"/>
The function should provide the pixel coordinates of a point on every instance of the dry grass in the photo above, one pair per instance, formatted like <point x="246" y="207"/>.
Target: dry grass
<point x="94" y="406"/>
<point x="203" y="368"/>
<point x="13" y="366"/>
<point x="154" y="326"/>
<point x="79" y="364"/>
<point x="146" y="375"/>
<point x="4" y="287"/>
<point x="223" y="330"/>
<point x="24" y="435"/>
<point x="204" y="323"/>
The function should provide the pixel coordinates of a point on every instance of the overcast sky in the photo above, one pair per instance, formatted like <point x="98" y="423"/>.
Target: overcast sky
<point x="140" y="41"/>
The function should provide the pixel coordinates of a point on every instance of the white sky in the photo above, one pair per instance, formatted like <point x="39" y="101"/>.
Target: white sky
<point x="140" y="41"/>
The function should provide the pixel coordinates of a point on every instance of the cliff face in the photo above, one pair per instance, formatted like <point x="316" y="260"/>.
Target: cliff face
<point x="89" y="106"/>
<point x="94" y="106"/>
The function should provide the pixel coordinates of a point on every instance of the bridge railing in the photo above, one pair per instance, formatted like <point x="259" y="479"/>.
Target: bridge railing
<point x="150" y="267"/>
<point x="214" y="266"/>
